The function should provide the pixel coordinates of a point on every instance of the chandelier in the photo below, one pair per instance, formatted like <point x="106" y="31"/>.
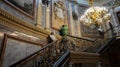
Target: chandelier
<point x="95" y="16"/>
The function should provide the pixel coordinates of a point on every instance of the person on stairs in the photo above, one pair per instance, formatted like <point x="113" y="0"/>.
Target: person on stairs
<point x="51" y="38"/>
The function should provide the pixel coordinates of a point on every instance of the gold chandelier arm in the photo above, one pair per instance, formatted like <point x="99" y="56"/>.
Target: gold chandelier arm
<point x="95" y="16"/>
<point x="91" y="2"/>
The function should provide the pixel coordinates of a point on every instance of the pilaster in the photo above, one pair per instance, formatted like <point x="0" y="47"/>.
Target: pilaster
<point x="77" y="21"/>
<point x="39" y="15"/>
<point x="71" y="19"/>
<point x="48" y="17"/>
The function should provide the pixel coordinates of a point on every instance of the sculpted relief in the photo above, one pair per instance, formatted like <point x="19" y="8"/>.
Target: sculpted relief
<point x="59" y="14"/>
<point x="59" y="10"/>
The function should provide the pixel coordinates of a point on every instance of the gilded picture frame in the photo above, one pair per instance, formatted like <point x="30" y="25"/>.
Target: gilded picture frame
<point x="26" y="7"/>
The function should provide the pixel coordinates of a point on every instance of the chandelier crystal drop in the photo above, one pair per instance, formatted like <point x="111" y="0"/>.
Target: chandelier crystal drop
<point x="95" y="16"/>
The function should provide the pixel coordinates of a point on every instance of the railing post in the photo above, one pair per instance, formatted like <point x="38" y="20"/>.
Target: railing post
<point x="98" y="64"/>
<point x="70" y="64"/>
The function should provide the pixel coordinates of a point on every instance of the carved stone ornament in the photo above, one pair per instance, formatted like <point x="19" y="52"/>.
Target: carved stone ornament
<point x="59" y="15"/>
<point x="59" y="10"/>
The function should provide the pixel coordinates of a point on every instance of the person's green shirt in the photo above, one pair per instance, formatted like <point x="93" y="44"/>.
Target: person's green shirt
<point x="64" y="30"/>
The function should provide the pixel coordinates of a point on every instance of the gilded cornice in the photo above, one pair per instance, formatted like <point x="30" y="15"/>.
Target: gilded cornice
<point x="73" y="1"/>
<point x="80" y="4"/>
<point x="15" y="23"/>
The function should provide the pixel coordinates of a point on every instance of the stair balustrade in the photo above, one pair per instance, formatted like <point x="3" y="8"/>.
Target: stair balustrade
<point x="92" y="46"/>
<point x="46" y="57"/>
<point x="57" y="53"/>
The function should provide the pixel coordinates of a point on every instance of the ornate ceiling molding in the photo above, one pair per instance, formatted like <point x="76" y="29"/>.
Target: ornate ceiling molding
<point x="17" y="24"/>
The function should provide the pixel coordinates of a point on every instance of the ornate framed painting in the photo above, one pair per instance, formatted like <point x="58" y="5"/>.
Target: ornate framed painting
<point x="26" y="7"/>
<point x="59" y="17"/>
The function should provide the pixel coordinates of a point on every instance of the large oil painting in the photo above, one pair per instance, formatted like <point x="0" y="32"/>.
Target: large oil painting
<point x="24" y="6"/>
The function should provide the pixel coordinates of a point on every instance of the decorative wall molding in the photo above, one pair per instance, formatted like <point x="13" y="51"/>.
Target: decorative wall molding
<point x="73" y="1"/>
<point x="17" y="24"/>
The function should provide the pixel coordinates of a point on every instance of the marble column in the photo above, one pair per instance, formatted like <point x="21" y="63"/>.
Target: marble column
<point x="71" y="20"/>
<point x="98" y="64"/>
<point x="48" y="17"/>
<point x="114" y="18"/>
<point x="77" y="22"/>
<point x="70" y="64"/>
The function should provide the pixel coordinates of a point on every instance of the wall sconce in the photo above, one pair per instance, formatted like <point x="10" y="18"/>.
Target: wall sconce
<point x="46" y="2"/>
